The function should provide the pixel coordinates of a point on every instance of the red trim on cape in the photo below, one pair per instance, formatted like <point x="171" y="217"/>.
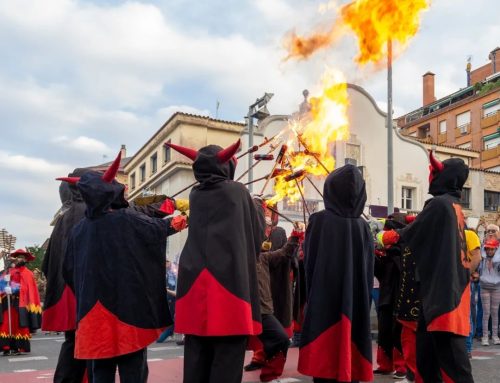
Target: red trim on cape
<point x="333" y="355"/>
<point x="62" y="315"/>
<point x="100" y="334"/>
<point x="28" y="292"/>
<point x="209" y="309"/>
<point x="457" y="320"/>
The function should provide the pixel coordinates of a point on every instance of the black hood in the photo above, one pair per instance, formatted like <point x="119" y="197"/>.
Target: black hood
<point x="207" y="168"/>
<point x="100" y="196"/>
<point x="451" y="179"/>
<point x="69" y="192"/>
<point x="344" y="192"/>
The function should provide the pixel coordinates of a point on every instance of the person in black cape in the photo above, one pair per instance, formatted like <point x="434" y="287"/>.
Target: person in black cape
<point x="338" y="255"/>
<point x="217" y="304"/>
<point x="114" y="262"/>
<point x="437" y="241"/>
<point x="59" y="311"/>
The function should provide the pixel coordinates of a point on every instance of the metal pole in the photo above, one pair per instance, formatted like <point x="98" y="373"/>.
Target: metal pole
<point x="390" y="165"/>
<point x="250" y="144"/>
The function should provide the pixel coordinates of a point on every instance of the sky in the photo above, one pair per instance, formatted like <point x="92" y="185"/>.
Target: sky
<point x="80" y="78"/>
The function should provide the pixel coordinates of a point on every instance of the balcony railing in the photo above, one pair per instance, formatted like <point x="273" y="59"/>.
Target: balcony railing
<point x="490" y="153"/>
<point x="462" y="130"/>
<point x="442" y="138"/>
<point x="490" y="120"/>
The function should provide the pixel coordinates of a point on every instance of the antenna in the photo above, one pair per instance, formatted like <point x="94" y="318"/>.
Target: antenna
<point x="217" y="105"/>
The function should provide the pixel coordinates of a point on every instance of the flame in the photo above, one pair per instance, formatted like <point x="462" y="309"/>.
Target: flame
<point x="326" y="124"/>
<point x="374" y="22"/>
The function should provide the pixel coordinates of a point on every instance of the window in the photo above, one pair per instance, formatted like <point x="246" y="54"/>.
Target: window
<point x="166" y="153"/>
<point x="296" y="207"/>
<point x="424" y="131"/>
<point x="491" y="108"/>
<point x="491" y="200"/>
<point x="442" y="127"/>
<point x="132" y="181"/>
<point x="491" y="141"/>
<point x="154" y="163"/>
<point x="465" y="198"/>
<point x="463" y="122"/>
<point x="407" y="198"/>
<point x="142" y="171"/>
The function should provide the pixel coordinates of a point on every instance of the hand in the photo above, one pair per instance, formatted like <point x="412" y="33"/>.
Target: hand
<point x="182" y="205"/>
<point x="168" y="206"/>
<point x="179" y="222"/>
<point x="299" y="226"/>
<point x="8" y="290"/>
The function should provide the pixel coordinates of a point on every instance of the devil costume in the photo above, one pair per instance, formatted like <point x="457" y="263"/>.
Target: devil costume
<point x="437" y="241"/>
<point x="114" y="263"/>
<point x="217" y="303"/>
<point x="338" y="256"/>
<point x="59" y="312"/>
<point x="25" y="310"/>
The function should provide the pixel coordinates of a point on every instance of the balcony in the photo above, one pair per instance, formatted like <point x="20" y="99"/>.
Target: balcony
<point x="442" y="138"/>
<point x="462" y="130"/>
<point x="490" y="153"/>
<point x="490" y="120"/>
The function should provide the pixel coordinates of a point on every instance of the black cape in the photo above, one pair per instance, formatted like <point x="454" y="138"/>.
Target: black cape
<point x="115" y="260"/>
<point x="217" y="291"/>
<point x="437" y="241"/>
<point x="338" y="257"/>
<point x="59" y="312"/>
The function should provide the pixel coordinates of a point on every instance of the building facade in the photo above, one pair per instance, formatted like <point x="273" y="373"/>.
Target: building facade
<point x="467" y="119"/>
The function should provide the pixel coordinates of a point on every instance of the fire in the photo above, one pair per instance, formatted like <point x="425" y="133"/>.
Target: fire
<point x="302" y="47"/>
<point x="374" y="22"/>
<point x="311" y="138"/>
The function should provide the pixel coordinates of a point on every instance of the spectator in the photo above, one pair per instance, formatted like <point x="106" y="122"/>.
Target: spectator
<point x="489" y="279"/>
<point x="171" y="286"/>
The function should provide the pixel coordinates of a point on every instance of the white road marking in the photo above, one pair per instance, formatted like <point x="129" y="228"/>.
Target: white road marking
<point x="49" y="338"/>
<point x="26" y="370"/>
<point x="28" y="359"/>
<point x="154" y="360"/>
<point x="481" y="357"/>
<point x="287" y="380"/>
<point x="164" y="348"/>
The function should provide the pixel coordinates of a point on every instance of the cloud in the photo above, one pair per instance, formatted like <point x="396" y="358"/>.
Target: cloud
<point x="25" y="164"/>
<point x="82" y="143"/>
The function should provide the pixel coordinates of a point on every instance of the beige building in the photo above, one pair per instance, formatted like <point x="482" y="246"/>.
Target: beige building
<point x="156" y="169"/>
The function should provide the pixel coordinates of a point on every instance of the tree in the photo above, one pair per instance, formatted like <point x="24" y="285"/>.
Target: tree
<point x="39" y="253"/>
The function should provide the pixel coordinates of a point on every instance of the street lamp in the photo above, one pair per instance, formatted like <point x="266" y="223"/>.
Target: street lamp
<point x="259" y="111"/>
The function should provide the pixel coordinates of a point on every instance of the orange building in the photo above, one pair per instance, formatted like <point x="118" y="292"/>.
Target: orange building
<point x="467" y="119"/>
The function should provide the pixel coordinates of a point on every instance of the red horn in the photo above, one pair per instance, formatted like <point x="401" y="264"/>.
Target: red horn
<point x="110" y="174"/>
<point x="70" y="180"/>
<point x="188" y="152"/>
<point x="225" y="154"/>
<point x="435" y="163"/>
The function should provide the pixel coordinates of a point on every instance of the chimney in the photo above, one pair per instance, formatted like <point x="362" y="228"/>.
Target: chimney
<point x="428" y="94"/>
<point x="123" y="150"/>
<point x="467" y="70"/>
<point x="493" y="57"/>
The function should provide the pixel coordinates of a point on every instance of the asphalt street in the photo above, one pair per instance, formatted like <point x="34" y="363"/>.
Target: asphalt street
<point x="165" y="364"/>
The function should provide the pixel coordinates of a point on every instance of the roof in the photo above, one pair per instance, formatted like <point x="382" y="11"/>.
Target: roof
<point x="123" y="162"/>
<point x="426" y="141"/>
<point x="182" y="114"/>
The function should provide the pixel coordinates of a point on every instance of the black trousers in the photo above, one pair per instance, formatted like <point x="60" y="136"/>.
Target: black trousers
<point x="389" y="330"/>
<point x="69" y="369"/>
<point x="273" y="337"/>
<point x="133" y="368"/>
<point x="214" y="359"/>
<point x="441" y="353"/>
